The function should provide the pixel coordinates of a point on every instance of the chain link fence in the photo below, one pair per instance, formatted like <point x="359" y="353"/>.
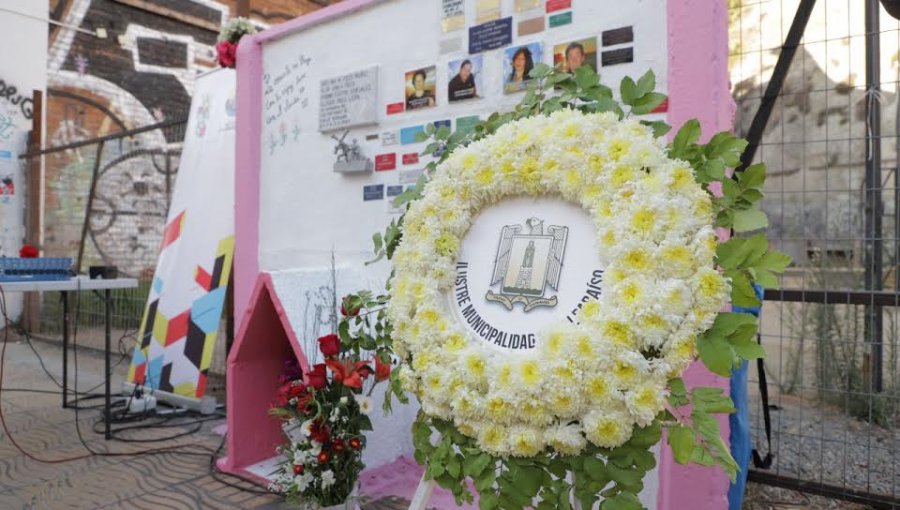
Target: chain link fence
<point x="105" y="204"/>
<point x="816" y="87"/>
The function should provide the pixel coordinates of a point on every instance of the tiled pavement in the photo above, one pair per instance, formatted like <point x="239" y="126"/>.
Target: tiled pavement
<point x="178" y="479"/>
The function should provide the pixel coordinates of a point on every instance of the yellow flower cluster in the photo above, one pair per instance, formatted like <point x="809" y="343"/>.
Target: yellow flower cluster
<point x="588" y="382"/>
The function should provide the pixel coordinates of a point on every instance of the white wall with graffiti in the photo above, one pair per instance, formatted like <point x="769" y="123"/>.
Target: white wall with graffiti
<point x="23" y="68"/>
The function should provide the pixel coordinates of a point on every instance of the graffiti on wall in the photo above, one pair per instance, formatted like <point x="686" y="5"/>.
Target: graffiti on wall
<point x="10" y="93"/>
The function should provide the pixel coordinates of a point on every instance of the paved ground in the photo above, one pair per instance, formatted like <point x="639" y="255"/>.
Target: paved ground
<point x="176" y="479"/>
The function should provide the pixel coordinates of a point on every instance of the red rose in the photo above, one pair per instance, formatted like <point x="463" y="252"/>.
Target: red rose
<point x="317" y="378"/>
<point x="355" y="443"/>
<point x="323" y="457"/>
<point x="319" y="432"/>
<point x="337" y="445"/>
<point x="28" y="252"/>
<point x="298" y="469"/>
<point x="330" y="345"/>
<point x="225" y="51"/>
<point x="382" y="370"/>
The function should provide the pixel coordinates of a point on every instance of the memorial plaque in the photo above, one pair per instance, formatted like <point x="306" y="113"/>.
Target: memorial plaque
<point x="453" y="16"/>
<point x="490" y="35"/>
<point x="349" y="100"/>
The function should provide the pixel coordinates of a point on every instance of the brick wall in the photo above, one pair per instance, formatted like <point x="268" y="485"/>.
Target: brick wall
<point x="142" y="73"/>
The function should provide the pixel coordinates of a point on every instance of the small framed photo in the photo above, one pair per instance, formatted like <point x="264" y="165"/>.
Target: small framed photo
<point x="420" y="88"/>
<point x="518" y="61"/>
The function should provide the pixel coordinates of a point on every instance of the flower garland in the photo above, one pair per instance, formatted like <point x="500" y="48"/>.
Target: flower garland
<point x="229" y="36"/>
<point x="324" y="417"/>
<point x="594" y="381"/>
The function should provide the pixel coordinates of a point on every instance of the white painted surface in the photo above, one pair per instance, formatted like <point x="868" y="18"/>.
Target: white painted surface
<point x="268" y="468"/>
<point x="310" y="215"/>
<point x="307" y="209"/>
<point x="23" y="65"/>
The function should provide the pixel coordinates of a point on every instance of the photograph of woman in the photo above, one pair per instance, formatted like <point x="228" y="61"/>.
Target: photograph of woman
<point x="466" y="79"/>
<point x="420" y="88"/>
<point x="517" y="64"/>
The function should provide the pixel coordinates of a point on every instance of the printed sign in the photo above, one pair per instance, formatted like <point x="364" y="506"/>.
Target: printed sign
<point x="618" y="36"/>
<point x="385" y="162"/>
<point x="524" y="264"/>
<point x="490" y="36"/>
<point x="349" y="100"/>
<point x="438" y="124"/>
<point x="527" y="5"/>
<point x="531" y="26"/>
<point x="558" y="5"/>
<point x="410" y="176"/>
<point x="467" y="124"/>
<point x="411" y="159"/>
<point x="558" y="20"/>
<point x="373" y="192"/>
<point x="487" y="10"/>
<point x="453" y="16"/>
<point x="409" y="135"/>
<point x="389" y="138"/>
<point x="395" y="108"/>
<point x="615" y="57"/>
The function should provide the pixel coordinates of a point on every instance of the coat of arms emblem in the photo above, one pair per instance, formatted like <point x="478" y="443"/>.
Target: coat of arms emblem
<point x="527" y="263"/>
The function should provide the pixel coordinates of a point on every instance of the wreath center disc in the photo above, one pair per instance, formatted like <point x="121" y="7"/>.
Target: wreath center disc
<point x="525" y="264"/>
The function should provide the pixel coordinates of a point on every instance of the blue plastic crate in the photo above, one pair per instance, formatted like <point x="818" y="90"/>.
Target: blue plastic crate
<point x="35" y="269"/>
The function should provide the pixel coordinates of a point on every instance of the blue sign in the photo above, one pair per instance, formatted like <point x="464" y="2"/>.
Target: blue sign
<point x="6" y="155"/>
<point x="438" y="124"/>
<point x="393" y="191"/>
<point x="490" y="36"/>
<point x="410" y="134"/>
<point x="373" y="192"/>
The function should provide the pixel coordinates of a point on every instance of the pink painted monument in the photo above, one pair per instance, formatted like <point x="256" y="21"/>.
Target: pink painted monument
<point x="294" y="212"/>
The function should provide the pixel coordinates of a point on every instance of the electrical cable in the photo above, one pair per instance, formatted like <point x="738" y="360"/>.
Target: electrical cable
<point x="217" y="475"/>
<point x="175" y="449"/>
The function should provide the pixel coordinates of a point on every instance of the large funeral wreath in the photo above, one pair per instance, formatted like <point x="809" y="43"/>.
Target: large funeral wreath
<point x="574" y="419"/>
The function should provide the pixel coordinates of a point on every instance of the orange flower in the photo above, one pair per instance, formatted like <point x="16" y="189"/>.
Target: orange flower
<point x="348" y="373"/>
<point x="382" y="370"/>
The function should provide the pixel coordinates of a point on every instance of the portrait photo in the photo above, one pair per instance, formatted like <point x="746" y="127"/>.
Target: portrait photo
<point x="465" y="79"/>
<point x="569" y="56"/>
<point x="518" y="61"/>
<point x="420" y="88"/>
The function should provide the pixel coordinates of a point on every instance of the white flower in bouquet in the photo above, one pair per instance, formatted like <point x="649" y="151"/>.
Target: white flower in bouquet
<point x="343" y="400"/>
<point x="302" y="481"/>
<point x="365" y="403"/>
<point x="327" y="479"/>
<point x="306" y="428"/>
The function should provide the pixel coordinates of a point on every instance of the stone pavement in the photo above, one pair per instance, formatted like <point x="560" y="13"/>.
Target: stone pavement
<point x="178" y="478"/>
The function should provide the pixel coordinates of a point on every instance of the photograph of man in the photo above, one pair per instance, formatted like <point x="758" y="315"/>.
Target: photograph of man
<point x="518" y="62"/>
<point x="420" y="88"/>
<point x="568" y="57"/>
<point x="465" y="81"/>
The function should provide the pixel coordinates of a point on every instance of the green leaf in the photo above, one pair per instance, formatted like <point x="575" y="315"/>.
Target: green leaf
<point x="677" y="392"/>
<point x="687" y="135"/>
<point x="646" y="83"/>
<point x="474" y="465"/>
<point x="681" y="439"/>
<point x="627" y="478"/>
<point x="647" y="103"/>
<point x="488" y="501"/>
<point x="530" y="479"/>
<point x="716" y="354"/>
<point x="774" y="261"/>
<point x="660" y="128"/>
<point x="749" y="219"/>
<point x="454" y="466"/>
<point x="628" y="91"/>
<point x="753" y="177"/>
<point x="622" y="501"/>
<point x="712" y="400"/>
